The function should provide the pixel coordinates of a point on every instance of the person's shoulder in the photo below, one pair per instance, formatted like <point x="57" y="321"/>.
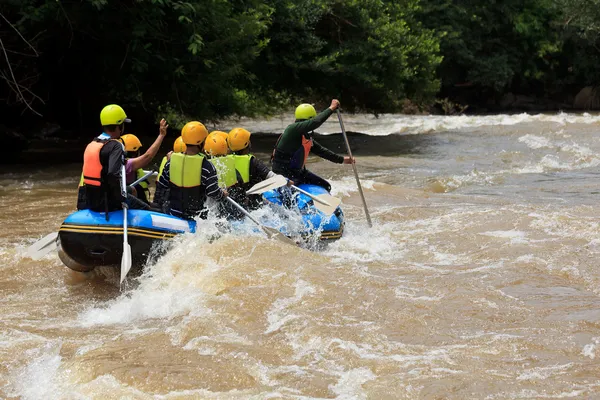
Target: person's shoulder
<point x="206" y="164"/>
<point x="113" y="145"/>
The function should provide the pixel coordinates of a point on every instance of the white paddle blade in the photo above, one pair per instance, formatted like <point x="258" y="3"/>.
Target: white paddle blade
<point x="326" y="204"/>
<point x="43" y="246"/>
<point x="268" y="184"/>
<point x="125" y="261"/>
<point x="273" y="233"/>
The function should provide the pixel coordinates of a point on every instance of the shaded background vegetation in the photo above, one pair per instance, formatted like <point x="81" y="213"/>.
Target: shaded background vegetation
<point x="62" y="61"/>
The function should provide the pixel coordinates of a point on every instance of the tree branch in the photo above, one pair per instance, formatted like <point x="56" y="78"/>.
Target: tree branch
<point x="19" y="33"/>
<point x="15" y="80"/>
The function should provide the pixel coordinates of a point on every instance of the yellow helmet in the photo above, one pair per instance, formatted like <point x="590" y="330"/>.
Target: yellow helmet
<point x="305" y="111"/>
<point x="220" y="133"/>
<point x="113" y="114"/>
<point x="131" y="142"/>
<point x="194" y="133"/>
<point x="238" y="139"/>
<point x="179" y="146"/>
<point x="215" y="145"/>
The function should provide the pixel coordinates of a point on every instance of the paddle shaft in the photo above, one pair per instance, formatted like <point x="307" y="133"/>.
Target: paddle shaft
<point x="143" y="178"/>
<point x="315" y="198"/>
<point x="243" y="210"/>
<point x="126" y="258"/>
<point x="362" y="196"/>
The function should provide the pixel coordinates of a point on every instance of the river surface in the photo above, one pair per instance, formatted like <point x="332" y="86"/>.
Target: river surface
<point x="479" y="280"/>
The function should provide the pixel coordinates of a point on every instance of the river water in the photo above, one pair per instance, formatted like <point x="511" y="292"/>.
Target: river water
<point x="478" y="280"/>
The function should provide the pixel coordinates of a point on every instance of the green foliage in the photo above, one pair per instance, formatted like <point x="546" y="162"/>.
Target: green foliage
<point x="208" y="59"/>
<point x="369" y="53"/>
<point x="494" y="46"/>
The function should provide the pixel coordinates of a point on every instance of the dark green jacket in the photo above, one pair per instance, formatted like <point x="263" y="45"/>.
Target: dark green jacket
<point x="289" y="151"/>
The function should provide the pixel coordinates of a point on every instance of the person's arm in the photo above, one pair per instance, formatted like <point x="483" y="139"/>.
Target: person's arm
<point x="115" y="156"/>
<point x="318" y="120"/>
<point x="210" y="180"/>
<point x="259" y="170"/>
<point x="146" y="158"/>
<point x="325" y="153"/>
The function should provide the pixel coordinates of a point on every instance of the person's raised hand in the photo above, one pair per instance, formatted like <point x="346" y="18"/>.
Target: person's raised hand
<point x="163" y="127"/>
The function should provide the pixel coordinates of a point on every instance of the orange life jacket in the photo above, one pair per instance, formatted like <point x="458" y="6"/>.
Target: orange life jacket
<point x="92" y="168"/>
<point x="307" y="144"/>
<point x="296" y="160"/>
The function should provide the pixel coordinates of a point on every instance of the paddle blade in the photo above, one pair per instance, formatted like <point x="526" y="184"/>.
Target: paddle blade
<point x="268" y="184"/>
<point x="273" y="233"/>
<point x="326" y="203"/>
<point x="43" y="246"/>
<point x="125" y="261"/>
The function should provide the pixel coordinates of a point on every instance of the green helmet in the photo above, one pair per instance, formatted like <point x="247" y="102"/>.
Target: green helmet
<point x="305" y="111"/>
<point x="113" y="114"/>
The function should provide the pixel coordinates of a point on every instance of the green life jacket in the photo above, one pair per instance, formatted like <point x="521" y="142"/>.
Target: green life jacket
<point x="242" y="165"/>
<point x="186" y="196"/>
<point x="186" y="170"/>
<point x="140" y="174"/>
<point x="225" y="167"/>
<point x="162" y="166"/>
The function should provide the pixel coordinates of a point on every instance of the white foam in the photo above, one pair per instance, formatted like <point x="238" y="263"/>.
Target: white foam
<point x="386" y="124"/>
<point x="516" y="237"/>
<point x="589" y="350"/>
<point x="279" y="314"/>
<point x="535" y="142"/>
<point x="349" y="386"/>
<point x="39" y="378"/>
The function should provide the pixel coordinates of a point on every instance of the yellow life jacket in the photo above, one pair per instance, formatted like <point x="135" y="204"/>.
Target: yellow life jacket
<point x="242" y="165"/>
<point x="186" y="170"/>
<point x="140" y="174"/>
<point x="225" y="167"/>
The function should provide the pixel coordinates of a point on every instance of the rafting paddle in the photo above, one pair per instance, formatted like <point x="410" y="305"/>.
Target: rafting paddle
<point x="43" y="246"/>
<point x="272" y="233"/>
<point x="354" y="168"/>
<point x="274" y="182"/>
<point x="126" y="259"/>
<point x="323" y="202"/>
<point x="143" y="178"/>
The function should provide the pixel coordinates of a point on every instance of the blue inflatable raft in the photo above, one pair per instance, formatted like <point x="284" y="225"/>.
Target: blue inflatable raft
<point x="89" y="239"/>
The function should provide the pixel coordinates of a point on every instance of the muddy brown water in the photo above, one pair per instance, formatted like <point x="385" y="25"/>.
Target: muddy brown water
<point x="479" y="280"/>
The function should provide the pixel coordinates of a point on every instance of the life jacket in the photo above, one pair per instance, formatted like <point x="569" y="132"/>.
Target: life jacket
<point x="242" y="165"/>
<point x="225" y="167"/>
<point x="143" y="192"/>
<point x="162" y="166"/>
<point x="185" y="176"/>
<point x="92" y="167"/>
<point x="295" y="160"/>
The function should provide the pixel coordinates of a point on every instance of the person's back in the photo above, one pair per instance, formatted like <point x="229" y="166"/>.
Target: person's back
<point x="250" y="169"/>
<point x="296" y="142"/>
<point x="217" y="150"/>
<point x="103" y="162"/>
<point x="187" y="194"/>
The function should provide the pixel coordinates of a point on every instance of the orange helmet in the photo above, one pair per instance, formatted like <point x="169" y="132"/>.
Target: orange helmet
<point x="194" y="133"/>
<point x="238" y="139"/>
<point x="131" y="142"/>
<point x="215" y="145"/>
